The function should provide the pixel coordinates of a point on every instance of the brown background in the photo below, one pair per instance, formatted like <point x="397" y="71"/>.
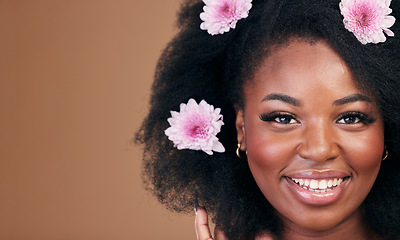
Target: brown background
<point x="74" y="85"/>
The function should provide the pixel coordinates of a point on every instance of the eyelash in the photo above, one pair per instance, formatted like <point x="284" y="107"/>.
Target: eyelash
<point x="356" y="116"/>
<point x="271" y="117"/>
<point x="362" y="117"/>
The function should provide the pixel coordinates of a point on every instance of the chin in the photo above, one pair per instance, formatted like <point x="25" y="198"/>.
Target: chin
<point x="320" y="221"/>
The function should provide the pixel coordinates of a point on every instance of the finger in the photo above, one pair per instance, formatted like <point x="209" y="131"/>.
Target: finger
<point x="219" y="235"/>
<point x="201" y="224"/>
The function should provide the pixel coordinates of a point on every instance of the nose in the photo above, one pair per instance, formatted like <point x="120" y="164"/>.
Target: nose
<point x="319" y="142"/>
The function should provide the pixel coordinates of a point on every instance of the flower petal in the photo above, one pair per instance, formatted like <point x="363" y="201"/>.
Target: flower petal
<point x="388" y="21"/>
<point x="389" y="32"/>
<point x="218" y="147"/>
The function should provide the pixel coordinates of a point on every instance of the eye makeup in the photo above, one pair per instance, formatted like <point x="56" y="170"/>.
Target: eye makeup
<point x="354" y="117"/>
<point x="350" y="117"/>
<point x="279" y="117"/>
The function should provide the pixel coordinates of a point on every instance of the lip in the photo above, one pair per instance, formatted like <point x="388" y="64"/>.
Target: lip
<point x="314" y="198"/>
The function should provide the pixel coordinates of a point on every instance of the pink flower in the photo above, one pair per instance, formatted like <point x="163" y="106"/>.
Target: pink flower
<point x="220" y="16"/>
<point x="195" y="127"/>
<point x="368" y="19"/>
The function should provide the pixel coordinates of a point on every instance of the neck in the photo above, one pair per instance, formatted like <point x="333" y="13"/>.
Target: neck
<point x="353" y="228"/>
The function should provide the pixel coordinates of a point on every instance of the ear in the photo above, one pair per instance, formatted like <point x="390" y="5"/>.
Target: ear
<point x="241" y="134"/>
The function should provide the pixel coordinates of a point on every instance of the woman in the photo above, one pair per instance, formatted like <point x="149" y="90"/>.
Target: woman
<point x="286" y="110"/>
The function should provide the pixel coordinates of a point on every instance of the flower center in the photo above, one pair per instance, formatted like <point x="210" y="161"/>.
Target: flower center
<point x="198" y="129"/>
<point x="363" y="19"/>
<point x="227" y="10"/>
<point x="365" y="16"/>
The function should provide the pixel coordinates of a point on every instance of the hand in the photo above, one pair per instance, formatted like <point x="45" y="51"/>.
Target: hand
<point x="203" y="230"/>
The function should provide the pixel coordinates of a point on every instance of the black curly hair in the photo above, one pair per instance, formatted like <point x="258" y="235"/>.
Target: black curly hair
<point x="215" y="68"/>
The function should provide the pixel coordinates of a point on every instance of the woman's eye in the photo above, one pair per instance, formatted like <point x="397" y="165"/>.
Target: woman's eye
<point x="279" y="118"/>
<point x="354" y="118"/>
<point x="285" y="120"/>
<point x="349" y="120"/>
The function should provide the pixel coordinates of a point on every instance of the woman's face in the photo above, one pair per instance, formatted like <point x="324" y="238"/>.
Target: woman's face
<point x="314" y="141"/>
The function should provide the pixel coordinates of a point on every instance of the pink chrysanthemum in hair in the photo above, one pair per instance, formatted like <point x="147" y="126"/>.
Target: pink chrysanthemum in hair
<point x="220" y="16"/>
<point x="368" y="19"/>
<point x="195" y="127"/>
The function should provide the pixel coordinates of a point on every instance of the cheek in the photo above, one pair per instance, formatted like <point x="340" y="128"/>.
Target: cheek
<point x="270" y="154"/>
<point x="364" y="151"/>
<point x="263" y="149"/>
<point x="364" y="155"/>
<point x="267" y="155"/>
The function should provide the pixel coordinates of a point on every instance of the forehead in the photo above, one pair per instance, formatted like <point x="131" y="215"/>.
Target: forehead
<point x="300" y="67"/>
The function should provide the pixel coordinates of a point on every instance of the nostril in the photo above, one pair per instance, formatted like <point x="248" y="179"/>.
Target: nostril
<point x="318" y="142"/>
<point x="318" y="153"/>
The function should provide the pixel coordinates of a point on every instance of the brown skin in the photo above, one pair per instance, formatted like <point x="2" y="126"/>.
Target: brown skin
<point x="316" y="137"/>
<point x="319" y="131"/>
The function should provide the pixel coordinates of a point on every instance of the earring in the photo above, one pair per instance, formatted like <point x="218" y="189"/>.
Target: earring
<point x="386" y="154"/>
<point x="238" y="151"/>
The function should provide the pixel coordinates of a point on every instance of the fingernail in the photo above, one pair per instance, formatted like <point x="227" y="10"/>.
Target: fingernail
<point x="195" y="209"/>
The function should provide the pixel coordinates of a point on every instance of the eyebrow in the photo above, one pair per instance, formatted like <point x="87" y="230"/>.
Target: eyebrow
<point x="352" y="98"/>
<point x="295" y="102"/>
<point x="282" y="97"/>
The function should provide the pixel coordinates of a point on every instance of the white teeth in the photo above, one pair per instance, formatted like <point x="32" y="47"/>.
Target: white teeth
<point x="322" y="184"/>
<point x="306" y="182"/>
<point x="335" y="182"/>
<point x="330" y="183"/>
<point x="319" y="186"/>
<point x="301" y="182"/>
<point x="314" y="184"/>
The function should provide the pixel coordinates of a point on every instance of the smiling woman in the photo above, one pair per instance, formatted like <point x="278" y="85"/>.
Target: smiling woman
<point x="301" y="139"/>
<point x="310" y="109"/>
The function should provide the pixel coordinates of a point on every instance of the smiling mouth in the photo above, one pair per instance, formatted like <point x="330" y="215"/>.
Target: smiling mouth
<point x="319" y="185"/>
